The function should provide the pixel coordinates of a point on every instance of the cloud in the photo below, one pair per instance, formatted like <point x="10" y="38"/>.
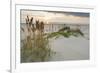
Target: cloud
<point x="57" y="17"/>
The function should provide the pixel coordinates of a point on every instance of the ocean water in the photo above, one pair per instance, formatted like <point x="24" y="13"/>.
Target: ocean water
<point x="72" y="48"/>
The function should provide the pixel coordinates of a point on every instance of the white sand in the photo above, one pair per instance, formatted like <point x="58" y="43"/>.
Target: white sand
<point x="72" y="48"/>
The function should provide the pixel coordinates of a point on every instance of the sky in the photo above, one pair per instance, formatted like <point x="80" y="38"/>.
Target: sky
<point x="56" y="17"/>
